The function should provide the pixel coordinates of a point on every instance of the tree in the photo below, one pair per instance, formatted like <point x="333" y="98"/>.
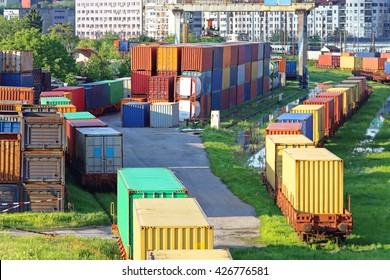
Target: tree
<point x="191" y="38"/>
<point x="276" y="37"/>
<point x="143" y="38"/>
<point x="11" y="26"/>
<point x="48" y="52"/>
<point x="314" y="42"/>
<point x="34" y="19"/>
<point x="124" y="67"/>
<point x="65" y="34"/>
<point x="95" y="69"/>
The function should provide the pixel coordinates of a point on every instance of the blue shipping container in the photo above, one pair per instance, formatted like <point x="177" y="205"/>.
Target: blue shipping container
<point x="89" y="98"/>
<point x="101" y="93"/>
<point x="291" y="68"/>
<point x="217" y="80"/>
<point x="123" y="46"/>
<point x="305" y="119"/>
<point x="247" y="91"/>
<point x="267" y="50"/>
<point x="217" y="57"/>
<point x="387" y="67"/>
<point x="364" y="54"/>
<point x="248" y="53"/>
<point x="260" y="86"/>
<point x="216" y="100"/>
<point x="17" y="79"/>
<point x="233" y="76"/>
<point x="206" y="77"/>
<point x="136" y="114"/>
<point x="240" y="74"/>
<point x="9" y="126"/>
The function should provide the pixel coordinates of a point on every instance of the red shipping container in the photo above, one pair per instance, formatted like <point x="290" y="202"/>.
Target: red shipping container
<point x="337" y="102"/>
<point x="248" y="71"/>
<point x="329" y="112"/>
<point x="385" y="55"/>
<point x="161" y="88"/>
<point x="197" y="58"/>
<point x="205" y="106"/>
<point x="266" y="85"/>
<point x="241" y="54"/>
<point x="77" y="96"/>
<point x="51" y="94"/>
<point x="253" y="89"/>
<point x="255" y="51"/>
<point x="364" y="83"/>
<point x="144" y="58"/>
<point x="373" y="63"/>
<point x="240" y="93"/>
<point x="282" y="64"/>
<point x="335" y="61"/>
<point x="284" y="129"/>
<point x="325" y="60"/>
<point x="167" y="73"/>
<point x="232" y="97"/>
<point x="71" y="126"/>
<point x="139" y="82"/>
<point x="225" y="99"/>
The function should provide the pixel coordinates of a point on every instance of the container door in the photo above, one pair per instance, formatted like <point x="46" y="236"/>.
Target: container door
<point x="113" y="154"/>
<point x="94" y="158"/>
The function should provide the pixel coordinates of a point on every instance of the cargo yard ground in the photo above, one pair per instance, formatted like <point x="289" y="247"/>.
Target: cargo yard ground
<point x="366" y="179"/>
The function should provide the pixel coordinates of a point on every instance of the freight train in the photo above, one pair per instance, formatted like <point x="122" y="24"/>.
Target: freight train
<point x="305" y="180"/>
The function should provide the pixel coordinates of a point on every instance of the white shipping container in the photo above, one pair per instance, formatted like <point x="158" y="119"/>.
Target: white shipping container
<point x="188" y="109"/>
<point x="164" y="114"/>
<point x="313" y="55"/>
<point x="17" y="61"/>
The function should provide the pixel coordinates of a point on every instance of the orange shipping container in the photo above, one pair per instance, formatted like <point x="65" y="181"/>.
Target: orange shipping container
<point x="9" y="158"/>
<point x="227" y="54"/>
<point x="169" y="58"/>
<point x="143" y="58"/>
<point x="374" y="63"/>
<point x="385" y="55"/>
<point x="66" y="108"/>
<point x="197" y="58"/>
<point x="282" y="64"/>
<point x="17" y="93"/>
<point x="325" y="60"/>
<point x="338" y="103"/>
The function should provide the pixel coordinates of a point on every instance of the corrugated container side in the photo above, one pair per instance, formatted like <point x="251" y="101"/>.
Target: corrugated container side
<point x="266" y="84"/>
<point x="325" y="60"/>
<point x="233" y="76"/>
<point x="164" y="114"/>
<point x="17" y="93"/>
<point x="136" y="114"/>
<point x="66" y="108"/>
<point x="240" y="93"/>
<point x="43" y="197"/>
<point x="225" y="78"/>
<point x="259" y="86"/>
<point x="247" y="91"/>
<point x="274" y="146"/>
<point x="240" y="74"/>
<point x="338" y="103"/>
<point x="9" y="158"/>
<point x="267" y="50"/>
<point x="329" y="111"/>
<point x="318" y="112"/>
<point x="206" y="79"/>
<point x="305" y="119"/>
<point x="260" y="68"/>
<point x="266" y="68"/>
<point x="43" y="131"/>
<point x="225" y="99"/>
<point x="232" y="97"/>
<point x="218" y="56"/>
<point x="347" y="98"/>
<point x="358" y="63"/>
<point x="17" y="79"/>
<point x="9" y="193"/>
<point x="284" y="129"/>
<point x="197" y="58"/>
<point x="143" y="58"/>
<point x="387" y="67"/>
<point x="255" y="52"/>
<point x="253" y="90"/>
<point x="353" y="93"/>
<point x="241" y="54"/>
<point x="335" y="61"/>
<point x="217" y="80"/>
<point x="313" y="181"/>
<point x="254" y="71"/>
<point x="248" y="52"/>
<point x="51" y="94"/>
<point x="205" y="106"/>
<point x="10" y="122"/>
<point x="209" y="254"/>
<point x="169" y="58"/>
<point x="385" y="55"/>
<point x="216" y="100"/>
<point x="47" y="166"/>
<point x="161" y="88"/>
<point x="139" y="82"/>
<point x="261" y="51"/>
<point x="18" y="61"/>
<point x="115" y="91"/>
<point x="227" y="53"/>
<point x="89" y="98"/>
<point x="55" y="101"/>
<point x="347" y="62"/>
<point x="248" y="72"/>
<point x="78" y="96"/>
<point x="234" y="55"/>
<point x="191" y="229"/>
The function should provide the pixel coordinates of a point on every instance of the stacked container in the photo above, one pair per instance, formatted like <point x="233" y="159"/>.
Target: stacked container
<point x="284" y="129"/>
<point x="43" y="145"/>
<point x="306" y="119"/>
<point x="17" y="68"/>
<point x="291" y="70"/>
<point x="164" y="114"/>
<point x="143" y="66"/>
<point x="318" y="112"/>
<point x="328" y="104"/>
<point x="338" y="105"/>
<point x="135" y="183"/>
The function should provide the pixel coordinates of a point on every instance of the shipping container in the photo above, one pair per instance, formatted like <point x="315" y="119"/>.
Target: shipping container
<point x="318" y="112"/>
<point x="305" y="119"/>
<point x="254" y="71"/>
<point x="123" y="46"/>
<point x="126" y="82"/>
<point x="260" y="55"/>
<point x="232" y="97"/>
<point x="28" y="108"/>
<point x="226" y="78"/>
<point x="139" y="82"/>
<point x="266" y="84"/>
<point x="46" y="80"/>
<point x="10" y="194"/>
<point x="240" y="93"/>
<point x="11" y="105"/>
<point x="218" y="56"/>
<point x="187" y="87"/>
<point x="233" y="76"/>
<point x="364" y="54"/>
<point x="143" y="58"/>
<point x="267" y="50"/>
<point x="101" y="92"/>
<point x="385" y="55"/>
<point x="225" y="99"/>
<point x="357" y="92"/>
<point x="189" y="109"/>
<point x="98" y="150"/>
<point x="115" y="89"/>
<point x="9" y="122"/>
<point x="161" y="88"/>
<point x="89" y="97"/>
<point x="78" y="96"/>
<point x="240" y="74"/>
<point x="205" y="106"/>
<point x="134" y="183"/>
<point x="248" y="72"/>
<point x="363" y="82"/>
<point x="284" y="129"/>
<point x="43" y="131"/>
<point x="241" y="54"/>
<point x="274" y="146"/>
<point x="66" y="108"/>
<point x="387" y="67"/>
<point x="325" y="60"/>
<point x="247" y="91"/>
<point x="291" y="69"/>
<point x="354" y="92"/>
<point x="216" y="100"/>
<point x="205" y="77"/>
<point x="43" y="166"/>
<point x="197" y="58"/>
<point x="335" y="61"/>
<point x="227" y="56"/>
<point x="313" y="180"/>
<point x="260" y="69"/>
<point x="136" y="114"/>
<point x="255" y="52"/>
<point x="164" y="114"/>
<point x="9" y="158"/>
<point x="329" y="112"/>
<point x="338" y="104"/>
<point x="169" y="58"/>
<point x="209" y="254"/>
<point x="17" y="61"/>
<point x="173" y="224"/>
<point x="43" y="197"/>
<point x="259" y="86"/>
<point x="17" y="93"/>
<point x="216" y="80"/>
<point x="79" y="116"/>
<point x="253" y="89"/>
<point x="347" y="98"/>
<point x="51" y="94"/>
<point x="373" y="63"/>
<point x="17" y="79"/>
<point x="350" y="63"/>
<point x="54" y="101"/>
<point x="248" y="52"/>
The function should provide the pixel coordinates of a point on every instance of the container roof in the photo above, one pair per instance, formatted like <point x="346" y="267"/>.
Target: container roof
<point x="87" y="122"/>
<point x="168" y="212"/>
<point x="150" y="179"/>
<point x="290" y="139"/>
<point x="307" y="107"/>
<point x="284" y="126"/>
<point x="99" y="131"/>
<point x="79" y="116"/>
<point x="345" y="85"/>
<point x="318" y="154"/>
<point x="294" y="116"/>
<point x="54" y="98"/>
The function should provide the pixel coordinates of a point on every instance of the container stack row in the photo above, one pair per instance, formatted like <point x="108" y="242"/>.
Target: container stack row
<point x="157" y="219"/>
<point x="287" y="69"/>
<point x="200" y="77"/>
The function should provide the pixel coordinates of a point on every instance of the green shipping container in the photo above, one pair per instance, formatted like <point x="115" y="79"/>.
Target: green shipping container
<point x="79" y="116"/>
<point x="142" y="183"/>
<point x="55" y="101"/>
<point x="115" y="90"/>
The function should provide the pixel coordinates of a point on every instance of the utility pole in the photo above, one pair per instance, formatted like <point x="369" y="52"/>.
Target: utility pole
<point x="341" y="43"/>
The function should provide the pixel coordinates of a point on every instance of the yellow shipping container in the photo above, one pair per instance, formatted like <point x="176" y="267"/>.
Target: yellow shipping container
<point x="318" y="112"/>
<point x="347" y="98"/>
<point x="359" y="85"/>
<point x="212" y="254"/>
<point x="313" y="180"/>
<point x="347" y="62"/>
<point x="225" y="78"/>
<point x="169" y="224"/>
<point x="354" y="92"/>
<point x="168" y="58"/>
<point x="255" y="69"/>
<point x="66" y="108"/>
<point x="274" y="145"/>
